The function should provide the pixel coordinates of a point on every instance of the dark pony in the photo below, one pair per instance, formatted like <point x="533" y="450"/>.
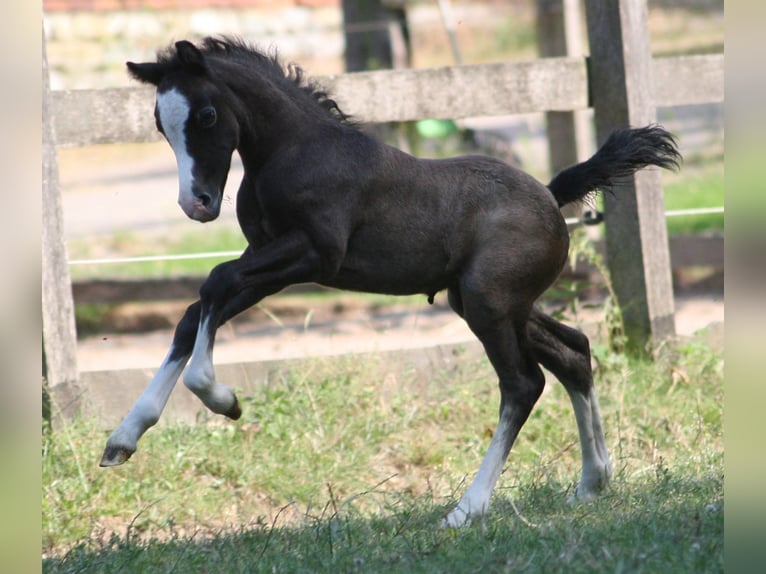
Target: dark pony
<point x="323" y="202"/>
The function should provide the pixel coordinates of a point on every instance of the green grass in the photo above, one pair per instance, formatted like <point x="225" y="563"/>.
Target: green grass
<point x="136" y="244"/>
<point x="337" y="468"/>
<point x="703" y="187"/>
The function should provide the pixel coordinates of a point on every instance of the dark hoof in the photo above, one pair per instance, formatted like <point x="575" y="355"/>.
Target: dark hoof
<point x="115" y="455"/>
<point x="235" y="411"/>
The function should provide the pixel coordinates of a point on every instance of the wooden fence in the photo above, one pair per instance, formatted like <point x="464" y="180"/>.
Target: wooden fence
<point x="621" y="81"/>
<point x="88" y="117"/>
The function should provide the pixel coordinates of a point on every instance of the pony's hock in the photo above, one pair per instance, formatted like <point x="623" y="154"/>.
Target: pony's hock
<point x="323" y="202"/>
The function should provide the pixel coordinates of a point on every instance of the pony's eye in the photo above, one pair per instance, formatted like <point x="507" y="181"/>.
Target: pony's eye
<point x="207" y="117"/>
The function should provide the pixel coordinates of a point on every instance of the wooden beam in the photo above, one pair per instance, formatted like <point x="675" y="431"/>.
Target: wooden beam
<point x="687" y="80"/>
<point x="463" y="91"/>
<point x="125" y="115"/>
<point x="111" y="115"/>
<point x="559" y="34"/>
<point x="622" y="94"/>
<point x="87" y="117"/>
<point x="59" y="336"/>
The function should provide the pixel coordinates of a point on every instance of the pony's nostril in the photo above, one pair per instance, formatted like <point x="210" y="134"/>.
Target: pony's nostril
<point x="205" y="199"/>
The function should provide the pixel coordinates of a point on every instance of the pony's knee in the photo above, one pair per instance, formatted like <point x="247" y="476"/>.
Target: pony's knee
<point x="221" y="283"/>
<point x="186" y="331"/>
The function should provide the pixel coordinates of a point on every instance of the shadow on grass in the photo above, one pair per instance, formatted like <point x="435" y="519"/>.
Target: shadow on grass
<point x="670" y="523"/>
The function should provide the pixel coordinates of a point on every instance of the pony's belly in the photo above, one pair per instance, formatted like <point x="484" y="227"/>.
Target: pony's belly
<point x="389" y="279"/>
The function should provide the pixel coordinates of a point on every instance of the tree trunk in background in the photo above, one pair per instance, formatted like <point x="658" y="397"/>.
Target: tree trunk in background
<point x="376" y="34"/>
<point x="377" y="38"/>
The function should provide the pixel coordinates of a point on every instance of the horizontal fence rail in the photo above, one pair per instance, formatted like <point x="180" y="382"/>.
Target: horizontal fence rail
<point x="88" y="117"/>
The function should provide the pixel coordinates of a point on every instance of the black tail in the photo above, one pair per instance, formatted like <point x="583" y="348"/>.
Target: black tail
<point x="625" y="152"/>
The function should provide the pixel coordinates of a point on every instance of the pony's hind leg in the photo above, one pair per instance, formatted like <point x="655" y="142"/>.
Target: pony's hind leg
<point x="565" y="352"/>
<point x="521" y="382"/>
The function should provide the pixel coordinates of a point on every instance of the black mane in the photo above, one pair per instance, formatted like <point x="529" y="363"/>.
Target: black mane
<point x="290" y="76"/>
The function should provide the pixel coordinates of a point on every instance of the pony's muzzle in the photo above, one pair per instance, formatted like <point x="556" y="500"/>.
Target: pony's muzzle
<point x="203" y="206"/>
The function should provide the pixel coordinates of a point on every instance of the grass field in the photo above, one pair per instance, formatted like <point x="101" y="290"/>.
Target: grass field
<point x="338" y="468"/>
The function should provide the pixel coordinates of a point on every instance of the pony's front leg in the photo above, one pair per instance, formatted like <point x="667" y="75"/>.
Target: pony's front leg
<point x="219" y="302"/>
<point x="149" y="406"/>
<point x="200" y="376"/>
<point x="238" y="285"/>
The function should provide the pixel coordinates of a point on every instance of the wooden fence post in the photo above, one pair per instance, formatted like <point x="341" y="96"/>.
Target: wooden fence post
<point x="621" y="92"/>
<point x="59" y="335"/>
<point x="559" y="34"/>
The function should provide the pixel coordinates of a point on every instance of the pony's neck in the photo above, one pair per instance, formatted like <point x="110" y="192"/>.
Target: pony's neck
<point x="267" y="118"/>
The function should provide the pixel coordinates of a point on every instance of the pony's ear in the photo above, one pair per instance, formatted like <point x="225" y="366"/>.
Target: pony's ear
<point x="149" y="73"/>
<point x="190" y="57"/>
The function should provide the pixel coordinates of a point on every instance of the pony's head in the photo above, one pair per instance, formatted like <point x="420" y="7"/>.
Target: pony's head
<point x="203" y="131"/>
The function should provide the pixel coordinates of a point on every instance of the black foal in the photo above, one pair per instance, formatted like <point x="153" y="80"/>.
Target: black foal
<point x="323" y="202"/>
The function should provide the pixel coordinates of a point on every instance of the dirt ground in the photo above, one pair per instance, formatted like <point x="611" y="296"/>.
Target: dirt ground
<point x="284" y="334"/>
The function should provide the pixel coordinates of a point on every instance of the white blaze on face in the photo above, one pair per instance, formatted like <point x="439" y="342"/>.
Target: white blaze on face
<point x="173" y="109"/>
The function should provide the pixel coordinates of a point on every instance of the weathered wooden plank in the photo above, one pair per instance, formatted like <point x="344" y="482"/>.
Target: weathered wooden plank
<point x="59" y="335"/>
<point x="112" y="115"/>
<point x="636" y="234"/>
<point x="463" y="91"/>
<point x="85" y="117"/>
<point x="686" y="80"/>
